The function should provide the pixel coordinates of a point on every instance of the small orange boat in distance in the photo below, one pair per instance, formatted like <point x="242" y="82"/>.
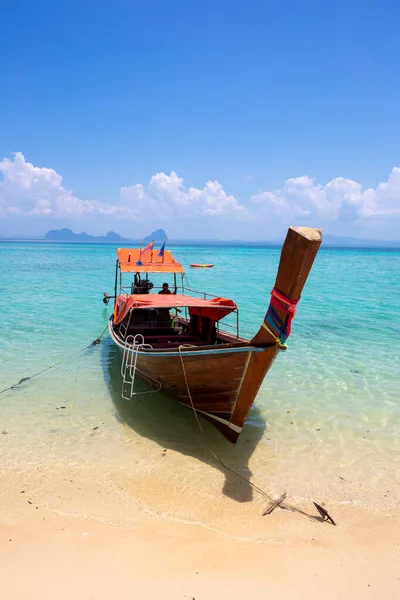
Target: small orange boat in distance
<point x="198" y="266"/>
<point x="174" y="341"/>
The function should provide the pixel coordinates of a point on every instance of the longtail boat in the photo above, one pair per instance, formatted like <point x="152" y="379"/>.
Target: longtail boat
<point x="175" y="342"/>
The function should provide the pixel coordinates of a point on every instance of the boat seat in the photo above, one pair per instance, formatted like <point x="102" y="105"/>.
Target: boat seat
<point x="151" y="331"/>
<point x="166" y="346"/>
<point x="166" y="338"/>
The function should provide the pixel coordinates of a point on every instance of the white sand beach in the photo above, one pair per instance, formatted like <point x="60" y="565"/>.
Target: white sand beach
<point x="119" y="548"/>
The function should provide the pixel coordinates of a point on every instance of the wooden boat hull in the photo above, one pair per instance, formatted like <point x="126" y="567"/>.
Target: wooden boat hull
<point x="215" y="381"/>
<point x="221" y="381"/>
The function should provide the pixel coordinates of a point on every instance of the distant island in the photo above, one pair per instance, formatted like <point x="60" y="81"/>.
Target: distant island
<point x="66" y="235"/>
<point x="349" y="242"/>
<point x="160" y="235"/>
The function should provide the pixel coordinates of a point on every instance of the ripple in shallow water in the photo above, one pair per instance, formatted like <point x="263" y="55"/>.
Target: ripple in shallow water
<point x="326" y="423"/>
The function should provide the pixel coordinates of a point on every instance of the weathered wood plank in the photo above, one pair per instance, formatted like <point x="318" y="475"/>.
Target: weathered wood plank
<point x="298" y="253"/>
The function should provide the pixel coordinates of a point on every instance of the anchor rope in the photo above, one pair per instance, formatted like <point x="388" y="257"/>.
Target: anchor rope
<point x="274" y="503"/>
<point x="56" y="364"/>
<point x="253" y="485"/>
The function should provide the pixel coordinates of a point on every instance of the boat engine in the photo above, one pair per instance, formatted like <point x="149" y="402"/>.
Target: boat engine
<point x="141" y="286"/>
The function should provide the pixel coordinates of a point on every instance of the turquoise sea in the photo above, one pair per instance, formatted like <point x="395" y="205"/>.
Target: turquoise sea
<point x="326" y="423"/>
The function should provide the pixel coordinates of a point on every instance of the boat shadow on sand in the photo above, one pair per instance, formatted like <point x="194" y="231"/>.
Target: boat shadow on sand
<point x="174" y="427"/>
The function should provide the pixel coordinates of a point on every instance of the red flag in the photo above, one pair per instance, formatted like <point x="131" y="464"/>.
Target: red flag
<point x="146" y="254"/>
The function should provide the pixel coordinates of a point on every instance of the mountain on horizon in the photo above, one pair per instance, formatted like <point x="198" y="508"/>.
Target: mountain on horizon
<point x="159" y="236"/>
<point x="67" y="235"/>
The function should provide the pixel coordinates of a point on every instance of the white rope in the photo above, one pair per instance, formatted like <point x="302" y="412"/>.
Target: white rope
<point x="255" y="487"/>
<point x="274" y="503"/>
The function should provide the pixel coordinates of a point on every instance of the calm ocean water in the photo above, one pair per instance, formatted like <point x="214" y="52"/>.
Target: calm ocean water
<point x="326" y="421"/>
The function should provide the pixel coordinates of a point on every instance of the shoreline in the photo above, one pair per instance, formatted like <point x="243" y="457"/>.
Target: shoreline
<point x="78" y="535"/>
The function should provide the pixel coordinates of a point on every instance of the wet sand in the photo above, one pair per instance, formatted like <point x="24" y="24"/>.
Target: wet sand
<point x="75" y="538"/>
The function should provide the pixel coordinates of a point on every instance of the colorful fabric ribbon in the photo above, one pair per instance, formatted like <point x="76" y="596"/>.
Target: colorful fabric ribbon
<point x="272" y="319"/>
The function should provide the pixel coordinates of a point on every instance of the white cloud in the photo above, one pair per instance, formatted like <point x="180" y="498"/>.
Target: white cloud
<point x="165" y="197"/>
<point x="301" y="198"/>
<point x="36" y="196"/>
<point x="29" y="191"/>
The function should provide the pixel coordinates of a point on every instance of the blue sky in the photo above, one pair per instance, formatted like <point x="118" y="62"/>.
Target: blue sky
<point x="281" y="103"/>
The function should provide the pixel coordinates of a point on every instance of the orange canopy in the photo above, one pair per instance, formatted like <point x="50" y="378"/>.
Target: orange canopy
<point x="129" y="257"/>
<point x="215" y="309"/>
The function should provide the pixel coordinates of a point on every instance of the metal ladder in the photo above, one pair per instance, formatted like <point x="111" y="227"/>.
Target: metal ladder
<point x="129" y="368"/>
<point x="124" y="326"/>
